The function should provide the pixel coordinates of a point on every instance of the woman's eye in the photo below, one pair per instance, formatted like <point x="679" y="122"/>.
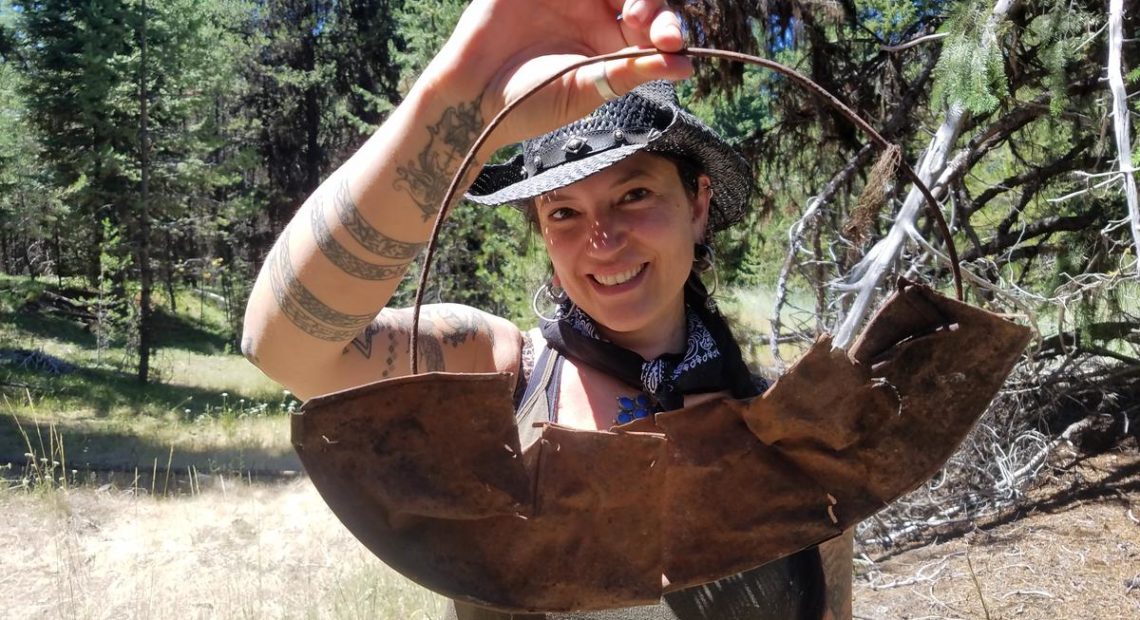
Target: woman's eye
<point x="634" y="195"/>
<point x="561" y="213"/>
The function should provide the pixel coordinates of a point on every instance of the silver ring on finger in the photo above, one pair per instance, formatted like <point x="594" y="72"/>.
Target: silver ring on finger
<point x="602" y="82"/>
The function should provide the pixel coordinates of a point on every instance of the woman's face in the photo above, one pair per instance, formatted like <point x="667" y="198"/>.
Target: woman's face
<point x="621" y="242"/>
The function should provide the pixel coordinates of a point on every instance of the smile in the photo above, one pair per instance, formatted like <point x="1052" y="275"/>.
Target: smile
<point x="619" y="278"/>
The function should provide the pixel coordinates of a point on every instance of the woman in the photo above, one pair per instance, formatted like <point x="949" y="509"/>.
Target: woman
<point x="624" y="200"/>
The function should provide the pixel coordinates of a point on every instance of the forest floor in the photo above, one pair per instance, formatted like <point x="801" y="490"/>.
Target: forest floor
<point x="1071" y="550"/>
<point x="231" y="548"/>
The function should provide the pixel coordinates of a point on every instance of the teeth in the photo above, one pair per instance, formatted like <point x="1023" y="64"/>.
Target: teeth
<point x="616" y="279"/>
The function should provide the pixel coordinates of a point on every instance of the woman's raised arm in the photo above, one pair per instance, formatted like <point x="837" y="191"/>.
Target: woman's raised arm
<point x="314" y="319"/>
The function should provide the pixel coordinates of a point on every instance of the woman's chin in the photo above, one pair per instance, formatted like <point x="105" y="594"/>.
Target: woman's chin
<point x="627" y="319"/>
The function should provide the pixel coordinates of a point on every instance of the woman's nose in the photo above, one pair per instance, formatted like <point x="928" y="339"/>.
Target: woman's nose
<point x="607" y="235"/>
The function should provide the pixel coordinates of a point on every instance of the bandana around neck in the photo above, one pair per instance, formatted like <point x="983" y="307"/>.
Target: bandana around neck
<point x="711" y="361"/>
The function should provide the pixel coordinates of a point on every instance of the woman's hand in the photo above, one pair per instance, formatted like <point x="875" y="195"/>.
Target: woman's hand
<point x="501" y="48"/>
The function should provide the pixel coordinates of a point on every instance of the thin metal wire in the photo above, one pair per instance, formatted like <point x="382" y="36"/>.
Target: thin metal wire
<point x="695" y="52"/>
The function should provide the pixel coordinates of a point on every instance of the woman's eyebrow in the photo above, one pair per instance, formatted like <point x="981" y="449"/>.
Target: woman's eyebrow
<point x="631" y="175"/>
<point x="546" y="200"/>
<point x="558" y="196"/>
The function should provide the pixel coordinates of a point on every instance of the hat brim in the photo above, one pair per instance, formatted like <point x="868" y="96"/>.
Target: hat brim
<point x="729" y="173"/>
<point x="520" y="188"/>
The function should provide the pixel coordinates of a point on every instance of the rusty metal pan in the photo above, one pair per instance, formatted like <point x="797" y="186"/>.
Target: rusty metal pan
<point x="427" y="470"/>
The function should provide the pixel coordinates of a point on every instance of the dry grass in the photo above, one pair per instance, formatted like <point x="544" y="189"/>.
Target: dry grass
<point x="248" y="551"/>
<point x="236" y="550"/>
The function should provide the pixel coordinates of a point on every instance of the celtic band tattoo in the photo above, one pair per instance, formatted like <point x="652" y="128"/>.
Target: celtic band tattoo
<point x="373" y="240"/>
<point x="302" y="308"/>
<point x="426" y="179"/>
<point x="341" y="257"/>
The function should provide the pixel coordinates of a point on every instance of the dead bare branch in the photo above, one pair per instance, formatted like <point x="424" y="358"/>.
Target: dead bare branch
<point x="1120" y="117"/>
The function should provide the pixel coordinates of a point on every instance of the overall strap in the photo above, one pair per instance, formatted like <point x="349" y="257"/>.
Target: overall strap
<point x="540" y="399"/>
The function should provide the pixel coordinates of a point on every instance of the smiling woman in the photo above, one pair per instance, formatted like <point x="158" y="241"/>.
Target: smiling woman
<point x="621" y="242"/>
<point x="624" y="195"/>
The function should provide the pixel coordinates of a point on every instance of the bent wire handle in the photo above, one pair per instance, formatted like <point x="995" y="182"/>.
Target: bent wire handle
<point x="695" y="52"/>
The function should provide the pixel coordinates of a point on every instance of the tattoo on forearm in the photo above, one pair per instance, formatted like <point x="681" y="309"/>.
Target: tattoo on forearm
<point x="342" y="258"/>
<point x="373" y="240"/>
<point x="302" y="308"/>
<point x="426" y="179"/>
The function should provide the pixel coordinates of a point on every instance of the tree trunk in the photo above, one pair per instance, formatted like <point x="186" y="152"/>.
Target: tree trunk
<point x="168" y="271"/>
<point x="142" y="245"/>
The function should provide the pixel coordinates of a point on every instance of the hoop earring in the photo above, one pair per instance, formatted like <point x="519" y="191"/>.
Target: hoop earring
<point x="704" y="261"/>
<point x="553" y="294"/>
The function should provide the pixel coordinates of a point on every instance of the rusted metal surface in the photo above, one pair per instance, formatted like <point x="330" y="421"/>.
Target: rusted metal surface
<point x="427" y="471"/>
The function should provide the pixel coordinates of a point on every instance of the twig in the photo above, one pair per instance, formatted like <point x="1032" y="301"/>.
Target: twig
<point x="795" y="242"/>
<point x="977" y="584"/>
<point x="924" y="574"/>
<point x="913" y="42"/>
<point x="1082" y="192"/>
<point x="1041" y="593"/>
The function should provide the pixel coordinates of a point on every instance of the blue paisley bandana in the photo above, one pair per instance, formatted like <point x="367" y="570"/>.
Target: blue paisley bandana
<point x="711" y="362"/>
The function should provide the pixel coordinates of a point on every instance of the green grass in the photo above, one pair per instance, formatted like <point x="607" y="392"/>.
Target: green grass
<point x="215" y="409"/>
<point x="749" y="311"/>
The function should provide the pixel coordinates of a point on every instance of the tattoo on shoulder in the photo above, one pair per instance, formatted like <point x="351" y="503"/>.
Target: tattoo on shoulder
<point x="363" y="341"/>
<point x="373" y="240"/>
<point x="430" y="354"/>
<point x="426" y="178"/>
<point x="456" y="326"/>
<point x="342" y="258"/>
<point x="302" y="308"/>
<point x="393" y="331"/>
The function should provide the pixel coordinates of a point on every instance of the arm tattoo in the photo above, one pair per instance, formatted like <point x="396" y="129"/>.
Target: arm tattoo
<point x="396" y="339"/>
<point x="363" y="341"/>
<point x="426" y="179"/>
<point x="430" y="354"/>
<point x="341" y="257"/>
<point x="302" y="308"/>
<point x="458" y="326"/>
<point x="373" y="240"/>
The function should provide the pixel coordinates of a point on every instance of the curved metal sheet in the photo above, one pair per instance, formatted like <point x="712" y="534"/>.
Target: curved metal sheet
<point x="427" y="471"/>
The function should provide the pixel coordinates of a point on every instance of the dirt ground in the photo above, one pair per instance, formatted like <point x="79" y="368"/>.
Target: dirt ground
<point x="239" y="550"/>
<point x="1074" y="554"/>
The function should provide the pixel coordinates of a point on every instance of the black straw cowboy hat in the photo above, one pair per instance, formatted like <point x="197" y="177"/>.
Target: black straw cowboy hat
<point x="649" y="118"/>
